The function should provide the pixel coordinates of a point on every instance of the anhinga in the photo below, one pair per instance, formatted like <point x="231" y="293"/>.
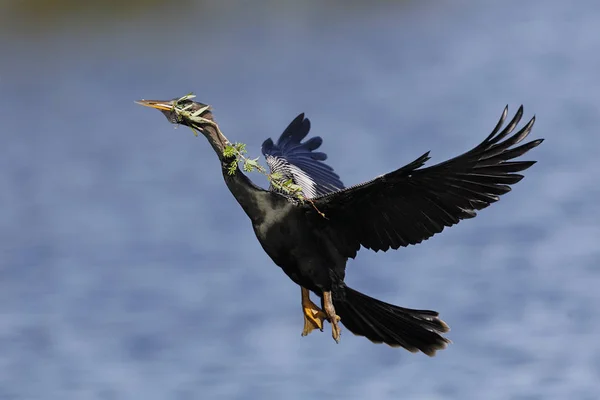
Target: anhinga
<point x="312" y="240"/>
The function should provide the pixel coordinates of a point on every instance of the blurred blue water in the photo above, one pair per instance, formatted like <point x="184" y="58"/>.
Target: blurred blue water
<point x="117" y="278"/>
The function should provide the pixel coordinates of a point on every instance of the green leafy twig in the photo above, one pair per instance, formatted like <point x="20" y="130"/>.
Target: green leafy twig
<point x="238" y="152"/>
<point x="195" y="117"/>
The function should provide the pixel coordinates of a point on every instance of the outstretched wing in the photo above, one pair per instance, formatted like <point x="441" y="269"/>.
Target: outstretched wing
<point x="412" y="204"/>
<point x="299" y="162"/>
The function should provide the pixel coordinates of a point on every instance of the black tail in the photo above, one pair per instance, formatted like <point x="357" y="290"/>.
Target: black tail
<point x="395" y="326"/>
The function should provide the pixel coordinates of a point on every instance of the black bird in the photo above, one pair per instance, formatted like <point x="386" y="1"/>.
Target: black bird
<point x="312" y="240"/>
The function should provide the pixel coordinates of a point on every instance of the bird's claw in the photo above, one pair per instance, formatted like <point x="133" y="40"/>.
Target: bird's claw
<point x="332" y="317"/>
<point x="336" y="331"/>
<point x="313" y="317"/>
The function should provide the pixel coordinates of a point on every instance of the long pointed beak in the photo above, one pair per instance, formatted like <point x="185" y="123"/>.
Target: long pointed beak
<point x="165" y="105"/>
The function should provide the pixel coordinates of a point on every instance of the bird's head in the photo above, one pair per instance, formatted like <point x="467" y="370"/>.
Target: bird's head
<point x="198" y="116"/>
<point x="183" y="111"/>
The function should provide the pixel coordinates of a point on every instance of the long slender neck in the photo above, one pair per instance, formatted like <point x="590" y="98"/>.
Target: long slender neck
<point x="217" y="140"/>
<point x="252" y="198"/>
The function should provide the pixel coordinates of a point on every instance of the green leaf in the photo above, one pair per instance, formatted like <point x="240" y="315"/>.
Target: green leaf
<point x="253" y="162"/>
<point x="232" y="169"/>
<point x="200" y="111"/>
<point x="229" y="151"/>
<point x="248" y="167"/>
<point x="240" y="147"/>
<point x="195" y="132"/>
<point x="188" y="96"/>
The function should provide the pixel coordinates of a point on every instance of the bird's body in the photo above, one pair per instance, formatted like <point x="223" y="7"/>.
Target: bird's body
<point x="311" y="239"/>
<point x="286" y="234"/>
<point x="304" y="253"/>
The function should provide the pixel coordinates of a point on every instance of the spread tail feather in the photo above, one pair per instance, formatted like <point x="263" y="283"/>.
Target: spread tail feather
<point x="395" y="326"/>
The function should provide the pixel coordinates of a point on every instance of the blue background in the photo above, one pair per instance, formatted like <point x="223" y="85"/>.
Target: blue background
<point x="128" y="271"/>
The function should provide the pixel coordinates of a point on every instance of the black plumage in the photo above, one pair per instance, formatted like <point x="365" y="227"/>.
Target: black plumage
<point x="312" y="240"/>
<point x="412" y="204"/>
